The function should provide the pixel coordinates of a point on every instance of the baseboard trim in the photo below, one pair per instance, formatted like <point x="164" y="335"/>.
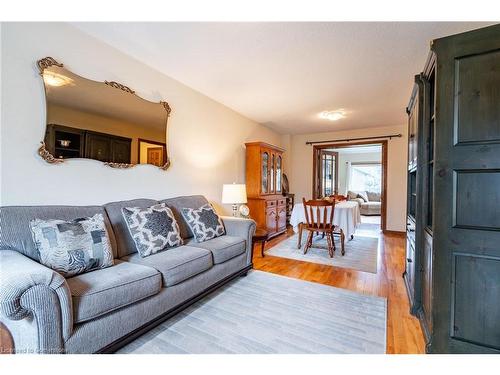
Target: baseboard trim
<point x="394" y="232"/>
<point x="122" y="341"/>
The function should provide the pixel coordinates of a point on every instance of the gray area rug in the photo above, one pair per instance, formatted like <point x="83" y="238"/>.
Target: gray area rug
<point x="361" y="253"/>
<point x="267" y="313"/>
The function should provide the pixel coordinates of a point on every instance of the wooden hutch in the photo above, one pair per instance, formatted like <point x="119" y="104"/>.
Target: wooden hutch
<point x="264" y="177"/>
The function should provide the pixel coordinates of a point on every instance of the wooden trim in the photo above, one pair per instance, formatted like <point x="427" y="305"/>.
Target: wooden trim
<point x="395" y="232"/>
<point x="383" y="143"/>
<point x="122" y="341"/>
<point x="264" y="144"/>
<point x="164" y="145"/>
<point x="375" y="138"/>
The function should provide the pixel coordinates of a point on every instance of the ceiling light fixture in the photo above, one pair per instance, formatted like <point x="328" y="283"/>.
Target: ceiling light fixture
<point x="333" y="115"/>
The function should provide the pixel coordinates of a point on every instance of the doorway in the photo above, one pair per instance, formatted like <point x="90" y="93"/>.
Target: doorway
<point x="152" y="152"/>
<point x="357" y="171"/>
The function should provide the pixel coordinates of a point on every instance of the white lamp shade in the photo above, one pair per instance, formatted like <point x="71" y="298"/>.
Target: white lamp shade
<point x="234" y="193"/>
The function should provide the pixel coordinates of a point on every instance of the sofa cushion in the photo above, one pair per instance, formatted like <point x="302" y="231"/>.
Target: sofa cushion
<point x="222" y="248"/>
<point x="73" y="247"/>
<point x="15" y="224"/>
<point x="177" y="264"/>
<point x="373" y="197"/>
<point x="153" y="228"/>
<point x="178" y="203"/>
<point x="125" y="242"/>
<point x="204" y="222"/>
<point x="99" y="292"/>
<point x="359" y="200"/>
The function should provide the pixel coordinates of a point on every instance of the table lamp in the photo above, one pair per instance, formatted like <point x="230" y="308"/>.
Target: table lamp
<point x="235" y="194"/>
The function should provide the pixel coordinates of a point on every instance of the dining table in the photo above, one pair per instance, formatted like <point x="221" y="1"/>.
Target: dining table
<point x="346" y="216"/>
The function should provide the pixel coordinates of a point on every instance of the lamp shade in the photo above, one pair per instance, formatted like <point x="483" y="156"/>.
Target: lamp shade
<point x="234" y="193"/>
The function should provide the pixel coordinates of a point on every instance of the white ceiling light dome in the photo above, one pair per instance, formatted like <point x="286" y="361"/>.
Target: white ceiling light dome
<point x="335" y="115"/>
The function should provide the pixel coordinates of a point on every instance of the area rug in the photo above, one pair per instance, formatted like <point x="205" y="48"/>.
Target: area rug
<point x="361" y="253"/>
<point x="267" y="313"/>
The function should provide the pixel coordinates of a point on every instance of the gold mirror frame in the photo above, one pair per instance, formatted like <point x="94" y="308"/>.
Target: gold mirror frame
<point x="45" y="154"/>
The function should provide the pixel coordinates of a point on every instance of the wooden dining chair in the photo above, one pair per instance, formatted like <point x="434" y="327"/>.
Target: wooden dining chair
<point x="320" y="220"/>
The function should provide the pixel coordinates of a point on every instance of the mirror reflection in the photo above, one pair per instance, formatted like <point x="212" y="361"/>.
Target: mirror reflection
<point x="102" y="121"/>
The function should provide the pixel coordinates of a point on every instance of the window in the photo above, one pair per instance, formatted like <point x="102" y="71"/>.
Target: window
<point x="366" y="177"/>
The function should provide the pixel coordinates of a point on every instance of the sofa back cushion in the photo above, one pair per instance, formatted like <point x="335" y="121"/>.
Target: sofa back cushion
<point x="15" y="228"/>
<point x="178" y="203"/>
<point x="124" y="241"/>
<point x="373" y="197"/>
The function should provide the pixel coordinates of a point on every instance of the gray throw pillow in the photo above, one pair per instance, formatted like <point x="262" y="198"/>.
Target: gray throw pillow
<point x="153" y="229"/>
<point x="204" y="222"/>
<point x="73" y="247"/>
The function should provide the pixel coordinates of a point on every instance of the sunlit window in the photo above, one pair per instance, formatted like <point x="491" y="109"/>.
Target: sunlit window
<point x="365" y="177"/>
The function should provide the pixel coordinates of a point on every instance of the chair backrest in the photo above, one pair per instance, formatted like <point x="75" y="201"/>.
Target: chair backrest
<point x="317" y="213"/>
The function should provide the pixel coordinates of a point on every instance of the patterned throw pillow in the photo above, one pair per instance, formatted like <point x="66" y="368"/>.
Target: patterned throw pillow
<point x="204" y="222"/>
<point x="153" y="228"/>
<point x="73" y="247"/>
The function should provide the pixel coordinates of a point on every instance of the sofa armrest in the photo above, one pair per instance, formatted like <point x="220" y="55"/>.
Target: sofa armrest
<point x="29" y="290"/>
<point x="240" y="227"/>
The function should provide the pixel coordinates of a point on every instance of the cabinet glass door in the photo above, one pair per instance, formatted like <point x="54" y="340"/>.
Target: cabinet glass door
<point x="271" y="174"/>
<point x="265" y="173"/>
<point x="278" y="174"/>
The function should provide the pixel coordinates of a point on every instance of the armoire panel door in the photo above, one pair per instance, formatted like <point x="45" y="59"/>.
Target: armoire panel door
<point x="466" y="277"/>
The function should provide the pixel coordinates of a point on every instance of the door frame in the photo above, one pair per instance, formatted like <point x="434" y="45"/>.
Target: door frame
<point x="317" y="151"/>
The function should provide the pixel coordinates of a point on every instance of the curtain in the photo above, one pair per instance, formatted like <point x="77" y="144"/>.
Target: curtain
<point x="347" y="176"/>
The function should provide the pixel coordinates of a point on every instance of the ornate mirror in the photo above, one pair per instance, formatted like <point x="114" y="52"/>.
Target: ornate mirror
<point x="104" y="121"/>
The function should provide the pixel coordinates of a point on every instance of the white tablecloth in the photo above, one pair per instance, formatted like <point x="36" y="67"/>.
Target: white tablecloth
<point x="346" y="216"/>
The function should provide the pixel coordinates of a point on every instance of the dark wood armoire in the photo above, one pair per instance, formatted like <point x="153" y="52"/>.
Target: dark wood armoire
<point x="453" y="207"/>
<point x="264" y="178"/>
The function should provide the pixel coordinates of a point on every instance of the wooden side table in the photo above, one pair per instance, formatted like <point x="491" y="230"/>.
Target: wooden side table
<point x="261" y="236"/>
<point x="6" y="340"/>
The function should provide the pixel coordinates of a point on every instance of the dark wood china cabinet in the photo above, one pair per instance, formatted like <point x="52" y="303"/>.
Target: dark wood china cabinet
<point x="452" y="268"/>
<point x="264" y="177"/>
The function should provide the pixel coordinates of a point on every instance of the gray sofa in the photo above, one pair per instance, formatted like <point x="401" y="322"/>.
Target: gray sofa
<point x="369" y="202"/>
<point x="102" y="310"/>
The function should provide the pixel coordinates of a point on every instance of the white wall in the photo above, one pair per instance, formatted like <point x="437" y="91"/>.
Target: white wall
<point x="301" y="162"/>
<point x="205" y="138"/>
<point x="353" y="157"/>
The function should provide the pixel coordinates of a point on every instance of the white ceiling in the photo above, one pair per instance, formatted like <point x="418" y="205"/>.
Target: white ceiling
<point x="283" y="74"/>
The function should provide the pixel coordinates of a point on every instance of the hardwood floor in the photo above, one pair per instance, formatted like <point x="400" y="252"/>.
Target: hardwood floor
<point x="403" y="330"/>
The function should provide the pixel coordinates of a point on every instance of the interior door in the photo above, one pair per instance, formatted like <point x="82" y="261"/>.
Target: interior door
<point x="466" y="302"/>
<point x="155" y="156"/>
<point x="326" y="174"/>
